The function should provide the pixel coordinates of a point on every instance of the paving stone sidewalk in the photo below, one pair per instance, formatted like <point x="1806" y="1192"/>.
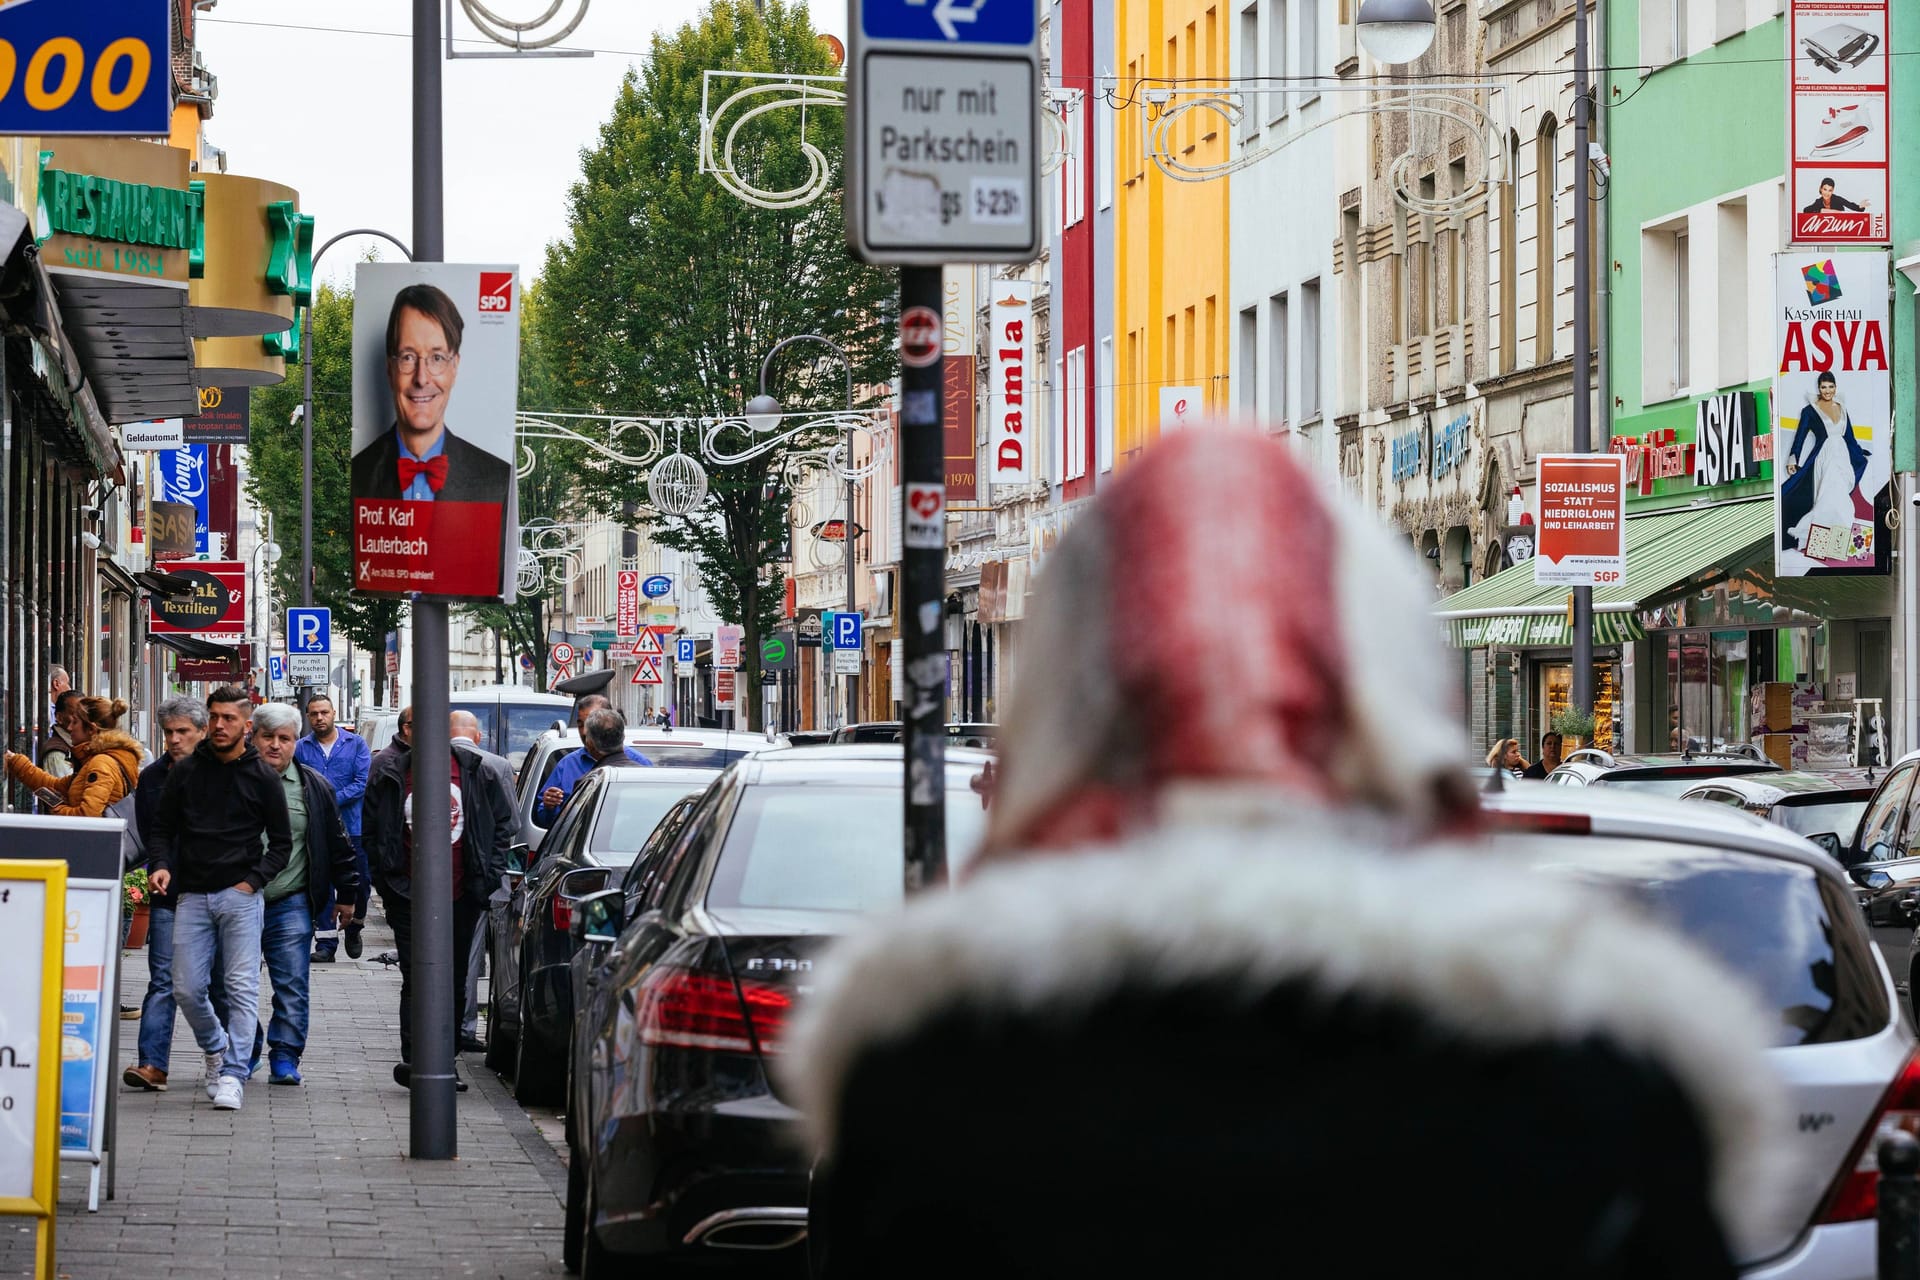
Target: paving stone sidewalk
<point x="310" y="1181"/>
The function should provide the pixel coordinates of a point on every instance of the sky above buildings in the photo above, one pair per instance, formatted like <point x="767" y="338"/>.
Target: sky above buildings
<point x="318" y="95"/>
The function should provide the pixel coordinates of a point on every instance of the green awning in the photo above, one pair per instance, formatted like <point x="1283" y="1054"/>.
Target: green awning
<point x="1668" y="554"/>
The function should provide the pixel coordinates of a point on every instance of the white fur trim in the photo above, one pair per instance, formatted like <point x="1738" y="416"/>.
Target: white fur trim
<point x="1494" y="955"/>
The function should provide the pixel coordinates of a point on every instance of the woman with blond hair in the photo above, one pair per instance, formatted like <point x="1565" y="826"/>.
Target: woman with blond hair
<point x="1506" y="755"/>
<point x="106" y="762"/>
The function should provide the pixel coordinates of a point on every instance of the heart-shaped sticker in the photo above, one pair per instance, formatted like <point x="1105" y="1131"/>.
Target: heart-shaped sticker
<point x="925" y="503"/>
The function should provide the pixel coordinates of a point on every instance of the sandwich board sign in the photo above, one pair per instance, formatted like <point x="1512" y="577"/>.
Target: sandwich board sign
<point x="33" y="908"/>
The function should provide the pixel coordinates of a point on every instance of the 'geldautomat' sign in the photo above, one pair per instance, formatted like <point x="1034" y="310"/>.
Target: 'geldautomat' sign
<point x="94" y="68"/>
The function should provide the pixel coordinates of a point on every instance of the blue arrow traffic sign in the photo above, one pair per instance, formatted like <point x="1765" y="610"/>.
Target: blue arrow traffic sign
<point x="309" y="631"/>
<point x="950" y="23"/>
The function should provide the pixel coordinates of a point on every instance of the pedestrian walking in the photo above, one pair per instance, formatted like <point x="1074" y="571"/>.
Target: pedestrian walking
<point x="603" y="737"/>
<point x="1549" y="757"/>
<point x="1267" y="877"/>
<point x="343" y="758"/>
<point x="465" y="726"/>
<point x="222" y="830"/>
<point x="1505" y="754"/>
<point x="321" y="870"/>
<point x="106" y="763"/>
<point x="55" y="751"/>
<point x="183" y="723"/>
<point x="481" y="819"/>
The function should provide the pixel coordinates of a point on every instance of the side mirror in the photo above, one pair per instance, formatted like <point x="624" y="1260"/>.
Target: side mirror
<point x="1876" y="880"/>
<point x="599" y="917"/>
<point x="581" y="881"/>
<point x="517" y="860"/>
<point x="1829" y="841"/>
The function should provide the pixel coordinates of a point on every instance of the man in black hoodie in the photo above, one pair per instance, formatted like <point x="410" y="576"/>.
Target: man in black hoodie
<point x="216" y="806"/>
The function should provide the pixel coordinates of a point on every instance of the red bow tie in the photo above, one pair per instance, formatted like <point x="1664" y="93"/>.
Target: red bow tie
<point x="434" y="469"/>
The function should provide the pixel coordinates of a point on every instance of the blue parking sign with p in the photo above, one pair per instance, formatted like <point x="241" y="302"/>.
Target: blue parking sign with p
<point x="309" y="631"/>
<point x="846" y="631"/>
<point x="683" y="651"/>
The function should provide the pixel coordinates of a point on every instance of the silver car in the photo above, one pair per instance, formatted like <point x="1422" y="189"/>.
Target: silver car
<point x="1781" y="914"/>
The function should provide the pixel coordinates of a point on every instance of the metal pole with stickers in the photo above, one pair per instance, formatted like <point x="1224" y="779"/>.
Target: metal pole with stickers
<point x="943" y="166"/>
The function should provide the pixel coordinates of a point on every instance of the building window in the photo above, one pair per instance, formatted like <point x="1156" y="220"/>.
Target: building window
<point x="1509" y="256"/>
<point x="1309" y="351"/>
<point x="1666" y="282"/>
<point x="1277" y="55"/>
<point x="1429" y="285"/>
<point x="1732" y="323"/>
<point x="1456" y="296"/>
<point x="1250" y="66"/>
<point x="1306" y="45"/>
<point x="1277" y="404"/>
<point x="1546" y="209"/>
<point x="1350" y="381"/>
<point x="1103" y="424"/>
<point x="1663" y="31"/>
<point x="1070" y="191"/>
<point x="1103" y="157"/>
<point x="1074" y="419"/>
<point x="1246" y="378"/>
<point x="1682" y="312"/>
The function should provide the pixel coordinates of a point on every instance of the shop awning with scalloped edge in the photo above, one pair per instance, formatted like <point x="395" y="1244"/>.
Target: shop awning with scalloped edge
<point x="1669" y="553"/>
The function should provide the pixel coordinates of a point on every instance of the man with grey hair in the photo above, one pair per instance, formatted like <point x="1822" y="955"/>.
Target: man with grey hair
<point x="603" y="734"/>
<point x="183" y="722"/>
<point x="465" y="726"/>
<point x="321" y="866"/>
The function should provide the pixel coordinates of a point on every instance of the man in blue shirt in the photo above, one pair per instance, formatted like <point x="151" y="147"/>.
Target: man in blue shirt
<point x="342" y="759"/>
<point x="604" y="732"/>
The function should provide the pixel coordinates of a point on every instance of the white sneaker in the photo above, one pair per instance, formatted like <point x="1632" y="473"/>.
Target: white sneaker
<point x="230" y="1094"/>
<point x="215" y="1061"/>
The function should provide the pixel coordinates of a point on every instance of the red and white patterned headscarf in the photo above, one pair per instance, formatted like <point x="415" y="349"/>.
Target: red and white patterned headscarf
<point x="1220" y="617"/>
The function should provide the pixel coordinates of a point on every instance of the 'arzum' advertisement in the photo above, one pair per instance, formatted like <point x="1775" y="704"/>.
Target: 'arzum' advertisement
<point x="1832" y="414"/>
<point x="1839" y="122"/>
<point x="436" y="357"/>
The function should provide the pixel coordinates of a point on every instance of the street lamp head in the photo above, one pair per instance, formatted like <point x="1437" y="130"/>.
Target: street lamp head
<point x="273" y="553"/>
<point x="1396" y="31"/>
<point x="763" y="413"/>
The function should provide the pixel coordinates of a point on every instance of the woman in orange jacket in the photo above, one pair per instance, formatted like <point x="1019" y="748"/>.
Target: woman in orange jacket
<point x="106" y="762"/>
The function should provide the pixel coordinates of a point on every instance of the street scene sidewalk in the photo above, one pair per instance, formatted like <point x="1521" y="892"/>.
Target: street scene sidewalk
<point x="310" y="1181"/>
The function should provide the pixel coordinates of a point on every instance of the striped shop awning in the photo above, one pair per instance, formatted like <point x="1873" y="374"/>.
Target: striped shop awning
<point x="1668" y="554"/>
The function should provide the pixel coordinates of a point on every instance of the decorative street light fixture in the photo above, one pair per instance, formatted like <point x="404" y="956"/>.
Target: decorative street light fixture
<point x="1396" y="31"/>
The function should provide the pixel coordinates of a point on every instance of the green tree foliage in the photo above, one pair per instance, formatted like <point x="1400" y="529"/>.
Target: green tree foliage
<point x="668" y="290"/>
<point x="277" y="476"/>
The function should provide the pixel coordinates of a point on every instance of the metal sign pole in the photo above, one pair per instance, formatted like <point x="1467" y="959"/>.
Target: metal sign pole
<point x="431" y="1108"/>
<point x="923" y="480"/>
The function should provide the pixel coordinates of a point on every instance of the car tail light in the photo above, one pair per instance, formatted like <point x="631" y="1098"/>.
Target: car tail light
<point x="689" y="1010"/>
<point x="562" y="914"/>
<point x="1856" y="1194"/>
<point x="1564" y="824"/>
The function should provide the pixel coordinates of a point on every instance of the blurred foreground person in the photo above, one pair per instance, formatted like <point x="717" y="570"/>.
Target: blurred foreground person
<point x="1218" y="997"/>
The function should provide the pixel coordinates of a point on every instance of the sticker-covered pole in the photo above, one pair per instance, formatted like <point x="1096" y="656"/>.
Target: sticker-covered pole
<point x="1582" y="345"/>
<point x="923" y="521"/>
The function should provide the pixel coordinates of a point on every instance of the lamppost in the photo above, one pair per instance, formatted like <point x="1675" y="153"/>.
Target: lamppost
<point x="763" y="414"/>
<point x="267" y="550"/>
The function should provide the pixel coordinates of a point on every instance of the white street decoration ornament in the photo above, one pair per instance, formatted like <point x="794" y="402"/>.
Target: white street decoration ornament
<point x="1832" y="414"/>
<point x="1009" y="407"/>
<point x="677" y="485"/>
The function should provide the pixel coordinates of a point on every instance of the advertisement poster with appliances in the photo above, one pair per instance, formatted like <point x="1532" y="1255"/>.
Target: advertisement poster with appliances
<point x="436" y="354"/>
<point x="1832" y="414"/>
<point x="1839" y="112"/>
<point x="1583" y="520"/>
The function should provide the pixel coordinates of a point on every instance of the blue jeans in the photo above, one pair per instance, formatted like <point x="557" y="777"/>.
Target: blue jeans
<point x="329" y="942"/>
<point x="284" y="942"/>
<point x="156" y="1011"/>
<point x="232" y="921"/>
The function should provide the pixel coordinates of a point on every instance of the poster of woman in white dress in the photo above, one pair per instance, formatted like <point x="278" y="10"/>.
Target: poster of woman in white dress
<point x="1832" y="415"/>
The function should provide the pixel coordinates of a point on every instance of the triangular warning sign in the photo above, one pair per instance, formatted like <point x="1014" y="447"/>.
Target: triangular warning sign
<point x="648" y="645"/>
<point x="648" y="672"/>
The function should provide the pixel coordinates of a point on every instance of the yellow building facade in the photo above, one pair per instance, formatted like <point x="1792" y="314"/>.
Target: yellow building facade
<point x="1171" y="300"/>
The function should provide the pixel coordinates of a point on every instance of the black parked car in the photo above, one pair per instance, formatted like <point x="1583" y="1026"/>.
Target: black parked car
<point x="682" y="1143"/>
<point x="530" y="998"/>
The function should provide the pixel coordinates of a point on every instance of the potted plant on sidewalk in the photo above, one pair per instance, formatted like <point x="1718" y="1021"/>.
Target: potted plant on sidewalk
<point x="134" y="905"/>
<point x="1575" y="728"/>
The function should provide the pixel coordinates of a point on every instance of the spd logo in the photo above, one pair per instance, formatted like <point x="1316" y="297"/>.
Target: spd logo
<point x="496" y="292"/>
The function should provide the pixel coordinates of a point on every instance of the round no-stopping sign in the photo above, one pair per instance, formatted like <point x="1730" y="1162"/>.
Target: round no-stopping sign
<point x="919" y="337"/>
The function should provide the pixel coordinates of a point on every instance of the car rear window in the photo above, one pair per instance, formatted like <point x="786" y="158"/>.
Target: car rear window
<point x="1789" y="934"/>
<point x="828" y="848"/>
<point x="628" y="817"/>
<point x="1811" y="817"/>
<point x="687" y="755"/>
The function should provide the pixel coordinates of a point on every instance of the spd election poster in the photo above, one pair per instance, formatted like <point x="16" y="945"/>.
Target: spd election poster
<point x="436" y="358"/>
<point x="1583" y="520"/>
